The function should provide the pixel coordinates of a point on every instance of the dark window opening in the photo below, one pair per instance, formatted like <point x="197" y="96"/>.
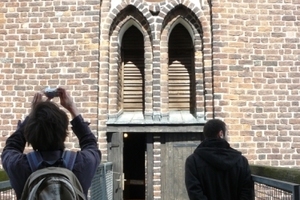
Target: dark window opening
<point x="132" y="85"/>
<point x="181" y="71"/>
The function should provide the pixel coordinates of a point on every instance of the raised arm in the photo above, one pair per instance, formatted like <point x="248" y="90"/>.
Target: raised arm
<point x="67" y="102"/>
<point x="88" y="159"/>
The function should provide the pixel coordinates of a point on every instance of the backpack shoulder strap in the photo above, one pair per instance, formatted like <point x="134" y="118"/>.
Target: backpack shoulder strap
<point x="35" y="159"/>
<point x="69" y="158"/>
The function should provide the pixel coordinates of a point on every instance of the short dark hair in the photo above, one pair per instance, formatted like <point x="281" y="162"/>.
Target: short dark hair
<point x="213" y="127"/>
<point x="47" y="127"/>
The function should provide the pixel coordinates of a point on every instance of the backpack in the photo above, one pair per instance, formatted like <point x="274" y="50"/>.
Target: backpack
<point x="54" y="181"/>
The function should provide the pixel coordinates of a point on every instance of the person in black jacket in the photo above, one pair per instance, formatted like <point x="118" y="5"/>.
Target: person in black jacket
<point x="46" y="129"/>
<point x="215" y="171"/>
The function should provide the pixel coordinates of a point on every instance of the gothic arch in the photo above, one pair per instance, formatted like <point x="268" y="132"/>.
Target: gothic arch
<point x="126" y="18"/>
<point x="184" y="16"/>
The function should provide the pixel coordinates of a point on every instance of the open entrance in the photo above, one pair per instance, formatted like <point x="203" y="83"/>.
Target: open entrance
<point x="134" y="165"/>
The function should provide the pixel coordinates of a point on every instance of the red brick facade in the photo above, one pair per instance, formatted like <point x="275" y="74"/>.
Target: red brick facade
<point x="246" y="57"/>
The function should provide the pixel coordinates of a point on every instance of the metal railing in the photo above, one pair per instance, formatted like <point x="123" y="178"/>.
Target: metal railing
<point x="6" y="192"/>
<point x="272" y="189"/>
<point x="102" y="183"/>
<point x="101" y="187"/>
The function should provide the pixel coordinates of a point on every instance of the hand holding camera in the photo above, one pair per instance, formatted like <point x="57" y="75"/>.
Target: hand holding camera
<point x="65" y="99"/>
<point x="51" y="92"/>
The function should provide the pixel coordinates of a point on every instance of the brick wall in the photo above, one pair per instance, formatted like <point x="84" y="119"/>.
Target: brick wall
<point x="256" y="82"/>
<point x="48" y="43"/>
<point x="248" y="54"/>
<point x="246" y="58"/>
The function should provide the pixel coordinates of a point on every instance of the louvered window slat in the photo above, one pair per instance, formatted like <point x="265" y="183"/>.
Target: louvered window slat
<point x="180" y="69"/>
<point x="133" y="75"/>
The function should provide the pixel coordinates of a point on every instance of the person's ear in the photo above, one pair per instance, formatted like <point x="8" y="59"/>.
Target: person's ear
<point x="221" y="134"/>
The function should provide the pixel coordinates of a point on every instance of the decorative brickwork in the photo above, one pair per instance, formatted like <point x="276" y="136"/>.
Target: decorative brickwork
<point x="246" y="57"/>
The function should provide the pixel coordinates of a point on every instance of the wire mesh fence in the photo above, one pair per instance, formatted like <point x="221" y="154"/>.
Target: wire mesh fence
<point x="102" y="183"/>
<point x="6" y="193"/>
<point x="101" y="188"/>
<point x="272" y="189"/>
<point x="264" y="192"/>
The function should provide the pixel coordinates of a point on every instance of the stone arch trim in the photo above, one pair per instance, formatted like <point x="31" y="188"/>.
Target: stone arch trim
<point x="119" y="25"/>
<point x="202" y="45"/>
<point x="201" y="13"/>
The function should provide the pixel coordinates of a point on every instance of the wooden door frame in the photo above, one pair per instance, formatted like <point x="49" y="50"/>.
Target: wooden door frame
<point x="115" y="155"/>
<point x="150" y="166"/>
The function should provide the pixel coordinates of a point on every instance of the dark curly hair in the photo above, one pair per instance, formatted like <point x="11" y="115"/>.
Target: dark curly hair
<point x="47" y="127"/>
<point x="213" y="127"/>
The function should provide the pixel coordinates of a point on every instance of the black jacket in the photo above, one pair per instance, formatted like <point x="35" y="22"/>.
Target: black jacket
<point x="215" y="171"/>
<point x="87" y="160"/>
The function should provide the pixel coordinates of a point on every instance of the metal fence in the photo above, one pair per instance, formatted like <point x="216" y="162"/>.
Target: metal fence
<point x="101" y="188"/>
<point x="102" y="183"/>
<point x="272" y="189"/>
<point x="6" y="192"/>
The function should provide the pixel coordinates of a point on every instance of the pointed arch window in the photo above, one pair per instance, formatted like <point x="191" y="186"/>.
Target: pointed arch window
<point x="181" y="70"/>
<point x="131" y="75"/>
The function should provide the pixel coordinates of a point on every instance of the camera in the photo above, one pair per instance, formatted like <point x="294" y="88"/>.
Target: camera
<point x="51" y="92"/>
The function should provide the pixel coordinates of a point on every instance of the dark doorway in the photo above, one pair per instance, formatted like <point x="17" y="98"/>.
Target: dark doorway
<point x="134" y="166"/>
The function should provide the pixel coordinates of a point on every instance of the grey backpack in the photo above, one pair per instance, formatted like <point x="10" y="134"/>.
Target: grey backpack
<point x="54" y="181"/>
